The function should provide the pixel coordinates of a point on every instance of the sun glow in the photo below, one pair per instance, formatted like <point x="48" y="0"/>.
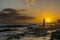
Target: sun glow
<point x="49" y="17"/>
<point x="48" y="20"/>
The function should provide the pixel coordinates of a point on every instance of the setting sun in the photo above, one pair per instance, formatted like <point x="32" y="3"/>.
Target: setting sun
<point x="48" y="20"/>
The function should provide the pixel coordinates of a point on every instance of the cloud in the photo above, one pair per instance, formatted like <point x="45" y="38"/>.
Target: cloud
<point x="18" y="19"/>
<point x="30" y="2"/>
<point x="14" y="19"/>
<point x="14" y="16"/>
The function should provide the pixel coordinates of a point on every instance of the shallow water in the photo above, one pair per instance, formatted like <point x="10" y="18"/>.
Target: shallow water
<point x="5" y="34"/>
<point x="11" y="35"/>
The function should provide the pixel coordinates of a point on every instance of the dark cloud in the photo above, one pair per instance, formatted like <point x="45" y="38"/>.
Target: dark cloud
<point x="15" y="19"/>
<point x="13" y="16"/>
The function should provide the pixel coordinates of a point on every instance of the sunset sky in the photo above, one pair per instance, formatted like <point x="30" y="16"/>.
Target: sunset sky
<point x="48" y="9"/>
